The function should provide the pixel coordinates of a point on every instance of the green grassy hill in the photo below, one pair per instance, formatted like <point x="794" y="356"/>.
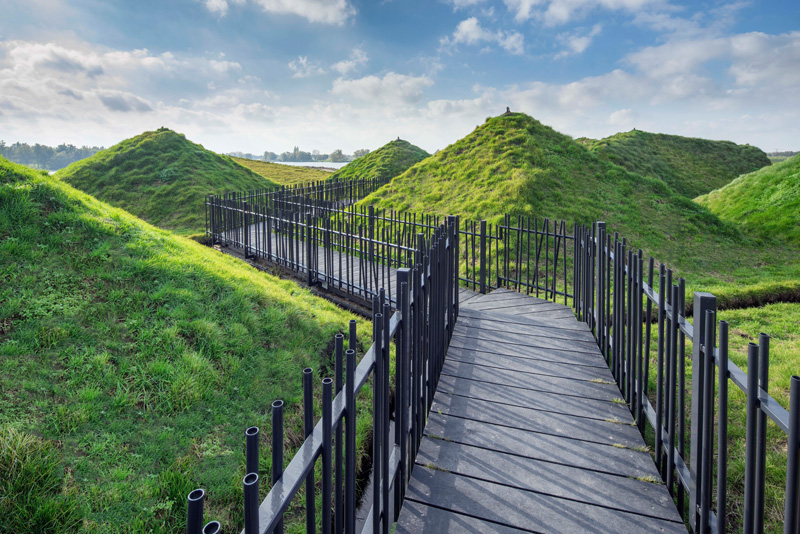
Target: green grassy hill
<point x="690" y="166"/>
<point x="766" y="202"/>
<point x="131" y="361"/>
<point x="284" y="174"/>
<point x="161" y="177"/>
<point x="387" y="162"/>
<point x="514" y="164"/>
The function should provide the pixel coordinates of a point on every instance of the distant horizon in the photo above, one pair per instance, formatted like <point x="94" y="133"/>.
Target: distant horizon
<point x="255" y="75"/>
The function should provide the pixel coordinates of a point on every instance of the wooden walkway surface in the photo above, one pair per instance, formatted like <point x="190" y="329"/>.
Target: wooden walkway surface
<point x="527" y="432"/>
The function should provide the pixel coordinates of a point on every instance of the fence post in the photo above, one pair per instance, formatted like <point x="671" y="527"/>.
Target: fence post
<point x="792" y="506"/>
<point x="308" y="250"/>
<point x="483" y="257"/>
<point x="194" y="512"/>
<point x="308" y="424"/>
<point x="703" y="302"/>
<point x="277" y="449"/>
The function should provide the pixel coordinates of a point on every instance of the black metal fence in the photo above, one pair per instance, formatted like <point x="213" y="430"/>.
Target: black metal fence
<point x="616" y="295"/>
<point x="354" y="250"/>
<point x="421" y="325"/>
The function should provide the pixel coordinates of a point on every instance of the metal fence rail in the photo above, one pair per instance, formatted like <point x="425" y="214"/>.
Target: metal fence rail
<point x="353" y="250"/>
<point x="612" y="296"/>
<point x="427" y="307"/>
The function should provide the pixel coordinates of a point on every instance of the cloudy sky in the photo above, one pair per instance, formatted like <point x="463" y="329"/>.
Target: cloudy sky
<point x="256" y="75"/>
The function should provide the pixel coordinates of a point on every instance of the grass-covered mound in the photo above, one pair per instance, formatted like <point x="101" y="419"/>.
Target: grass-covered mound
<point x="514" y="164"/>
<point x="132" y="360"/>
<point x="387" y="162"/>
<point x="161" y="177"/>
<point x="284" y="174"/>
<point x="690" y="166"/>
<point x="766" y="202"/>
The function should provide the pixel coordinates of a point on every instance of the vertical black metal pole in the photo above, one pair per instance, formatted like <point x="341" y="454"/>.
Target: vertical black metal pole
<point x="751" y="435"/>
<point x="377" y="418"/>
<point x="761" y="441"/>
<point x="194" y="511"/>
<point x="327" y="421"/>
<point x="722" y="432"/>
<point x="337" y="464"/>
<point x="251" y="441"/>
<point x="277" y="449"/>
<point x="250" y="483"/>
<point x="483" y="258"/>
<point x="703" y="302"/>
<point x="792" y="505"/>
<point x="308" y="428"/>
<point x="350" y="437"/>
<point x="708" y="419"/>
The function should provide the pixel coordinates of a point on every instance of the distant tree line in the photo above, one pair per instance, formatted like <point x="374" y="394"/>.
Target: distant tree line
<point x="46" y="157"/>
<point x="301" y="155"/>
<point x="785" y="153"/>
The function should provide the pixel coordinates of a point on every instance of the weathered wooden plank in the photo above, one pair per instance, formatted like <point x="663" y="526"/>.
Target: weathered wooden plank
<point x="592" y="487"/>
<point x="537" y="353"/>
<point x="556" y="424"/>
<point x="537" y="338"/>
<point x="527" y="330"/>
<point x="419" y="518"/>
<point x="526" y="509"/>
<point x="556" y="449"/>
<point x="565" y="369"/>
<point x="519" y="305"/>
<point x="551" y="402"/>
<point x="553" y="384"/>
<point x="568" y="323"/>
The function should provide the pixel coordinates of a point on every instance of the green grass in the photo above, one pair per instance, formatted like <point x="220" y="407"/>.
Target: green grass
<point x="388" y="161"/>
<point x="132" y="360"/>
<point x="690" y="166"/>
<point x="162" y="178"/>
<point x="765" y="202"/>
<point x="284" y="174"/>
<point x="514" y="164"/>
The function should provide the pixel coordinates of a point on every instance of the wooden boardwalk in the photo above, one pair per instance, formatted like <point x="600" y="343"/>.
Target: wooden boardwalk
<point x="527" y="432"/>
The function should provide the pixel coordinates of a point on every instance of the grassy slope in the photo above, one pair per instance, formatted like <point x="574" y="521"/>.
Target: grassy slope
<point x="387" y="162"/>
<point x="136" y="358"/>
<point x="766" y="202"/>
<point x="161" y="177"/>
<point x="690" y="166"/>
<point x="284" y="174"/>
<point x="514" y="164"/>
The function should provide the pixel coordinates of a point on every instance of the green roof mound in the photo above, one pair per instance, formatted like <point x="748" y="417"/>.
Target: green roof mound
<point x="690" y="166"/>
<point x="766" y="202"/>
<point x="515" y="164"/>
<point x="161" y="177"/>
<point x="387" y="162"/>
<point x="132" y="359"/>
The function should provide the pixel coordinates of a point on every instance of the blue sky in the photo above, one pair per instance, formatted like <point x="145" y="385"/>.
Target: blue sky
<point x="256" y="75"/>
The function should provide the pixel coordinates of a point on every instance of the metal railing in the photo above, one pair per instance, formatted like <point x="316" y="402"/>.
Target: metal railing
<point x="421" y="325"/>
<point x="612" y="296"/>
<point x="352" y="250"/>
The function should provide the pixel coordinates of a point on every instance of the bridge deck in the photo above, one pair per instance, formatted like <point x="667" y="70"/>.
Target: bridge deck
<point x="526" y="433"/>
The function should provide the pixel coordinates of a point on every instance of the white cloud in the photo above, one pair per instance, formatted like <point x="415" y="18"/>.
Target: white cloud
<point x="554" y="12"/>
<point x="461" y="4"/>
<point x="622" y="119"/>
<point x="303" y="68"/>
<point x="577" y="43"/>
<point x="470" y="32"/>
<point x="357" y="58"/>
<point x="393" y="88"/>
<point x="321" y="11"/>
